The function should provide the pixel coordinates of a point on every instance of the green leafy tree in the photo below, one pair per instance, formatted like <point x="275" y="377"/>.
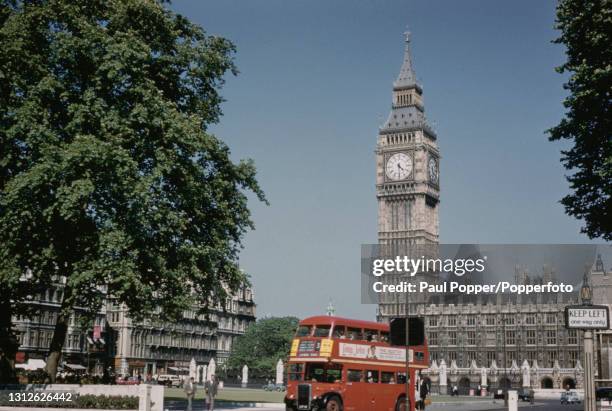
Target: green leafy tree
<point x="262" y="345"/>
<point x="586" y="31"/>
<point x="109" y="177"/>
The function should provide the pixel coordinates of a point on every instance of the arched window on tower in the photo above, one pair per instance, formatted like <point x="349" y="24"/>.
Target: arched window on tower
<point x="407" y="216"/>
<point x="394" y="215"/>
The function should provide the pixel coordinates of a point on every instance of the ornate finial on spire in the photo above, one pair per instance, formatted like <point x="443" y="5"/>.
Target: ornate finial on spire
<point x="331" y="310"/>
<point x="407" y="35"/>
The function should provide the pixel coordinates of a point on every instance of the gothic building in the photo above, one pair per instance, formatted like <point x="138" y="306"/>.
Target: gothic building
<point x="407" y="164"/>
<point x="506" y="336"/>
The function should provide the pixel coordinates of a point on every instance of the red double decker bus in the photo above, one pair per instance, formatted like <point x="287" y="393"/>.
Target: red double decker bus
<point x="340" y="364"/>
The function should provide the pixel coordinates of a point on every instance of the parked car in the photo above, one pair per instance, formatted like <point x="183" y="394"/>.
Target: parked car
<point x="127" y="380"/>
<point x="274" y="387"/>
<point x="523" y="394"/>
<point x="570" y="397"/>
<point x="603" y="393"/>
<point x="170" y="380"/>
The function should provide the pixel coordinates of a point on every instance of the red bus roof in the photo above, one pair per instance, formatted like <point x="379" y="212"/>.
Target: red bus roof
<point x="326" y="319"/>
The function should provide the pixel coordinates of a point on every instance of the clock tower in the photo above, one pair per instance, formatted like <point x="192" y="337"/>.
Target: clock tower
<point x="407" y="167"/>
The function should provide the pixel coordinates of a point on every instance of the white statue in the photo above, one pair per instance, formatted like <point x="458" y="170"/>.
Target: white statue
<point x="526" y="374"/>
<point x="192" y="369"/>
<point x="280" y="370"/>
<point x="245" y="376"/>
<point x="483" y="377"/>
<point x="443" y="373"/>
<point x="212" y="368"/>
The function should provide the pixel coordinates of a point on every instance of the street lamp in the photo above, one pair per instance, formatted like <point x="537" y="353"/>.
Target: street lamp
<point x="586" y="295"/>
<point x="586" y="292"/>
<point x="505" y="362"/>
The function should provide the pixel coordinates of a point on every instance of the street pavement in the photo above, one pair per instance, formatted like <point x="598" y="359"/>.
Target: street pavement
<point x="200" y="405"/>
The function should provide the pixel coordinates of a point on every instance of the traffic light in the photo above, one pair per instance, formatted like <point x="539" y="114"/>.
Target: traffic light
<point x="416" y="331"/>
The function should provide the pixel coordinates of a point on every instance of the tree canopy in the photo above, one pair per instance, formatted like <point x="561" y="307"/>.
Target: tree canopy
<point x="263" y="344"/>
<point x="109" y="177"/>
<point x="586" y="31"/>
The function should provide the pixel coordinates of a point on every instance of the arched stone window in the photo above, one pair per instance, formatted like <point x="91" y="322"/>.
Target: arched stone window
<point x="546" y="383"/>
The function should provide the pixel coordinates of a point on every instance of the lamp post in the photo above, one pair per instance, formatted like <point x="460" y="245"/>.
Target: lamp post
<point x="586" y="295"/>
<point x="409" y="382"/>
<point x="505" y="362"/>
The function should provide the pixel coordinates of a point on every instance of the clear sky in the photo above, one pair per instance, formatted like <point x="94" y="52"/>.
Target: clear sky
<point x="314" y="86"/>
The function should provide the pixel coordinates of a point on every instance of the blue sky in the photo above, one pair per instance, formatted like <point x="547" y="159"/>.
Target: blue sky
<point x="314" y="85"/>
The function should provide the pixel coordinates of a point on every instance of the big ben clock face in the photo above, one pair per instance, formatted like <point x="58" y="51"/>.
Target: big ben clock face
<point x="433" y="170"/>
<point x="399" y="166"/>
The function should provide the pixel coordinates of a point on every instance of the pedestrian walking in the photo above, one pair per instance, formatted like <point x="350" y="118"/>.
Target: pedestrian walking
<point x="423" y="392"/>
<point x="190" y="391"/>
<point x="211" y="391"/>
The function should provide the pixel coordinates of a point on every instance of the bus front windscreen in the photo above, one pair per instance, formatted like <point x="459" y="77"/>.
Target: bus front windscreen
<point x="295" y="372"/>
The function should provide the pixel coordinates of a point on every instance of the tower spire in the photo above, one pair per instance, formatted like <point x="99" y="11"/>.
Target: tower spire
<point x="406" y="77"/>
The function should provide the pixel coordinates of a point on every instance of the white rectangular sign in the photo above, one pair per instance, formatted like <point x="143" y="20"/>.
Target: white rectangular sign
<point x="374" y="352"/>
<point x="594" y="317"/>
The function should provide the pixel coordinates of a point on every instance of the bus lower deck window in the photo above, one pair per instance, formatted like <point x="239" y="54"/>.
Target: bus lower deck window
<point x="372" y="376"/>
<point x="354" y="376"/>
<point x="387" y="377"/>
<point x="321" y="372"/>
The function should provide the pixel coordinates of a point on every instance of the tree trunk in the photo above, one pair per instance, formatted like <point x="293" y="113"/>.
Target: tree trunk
<point x="59" y="335"/>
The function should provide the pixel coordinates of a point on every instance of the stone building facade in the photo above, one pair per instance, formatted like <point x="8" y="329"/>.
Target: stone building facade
<point x="500" y="339"/>
<point x="135" y="348"/>
<point x="81" y="348"/>
<point x="150" y="348"/>
<point x="407" y="166"/>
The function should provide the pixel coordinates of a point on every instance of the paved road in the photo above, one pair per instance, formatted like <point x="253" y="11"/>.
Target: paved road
<point x="199" y="405"/>
<point x="540" y="405"/>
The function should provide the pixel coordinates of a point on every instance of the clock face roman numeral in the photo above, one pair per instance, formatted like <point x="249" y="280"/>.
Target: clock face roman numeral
<point x="399" y="166"/>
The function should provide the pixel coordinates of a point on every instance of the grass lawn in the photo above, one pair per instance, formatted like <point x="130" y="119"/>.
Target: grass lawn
<point x="230" y="394"/>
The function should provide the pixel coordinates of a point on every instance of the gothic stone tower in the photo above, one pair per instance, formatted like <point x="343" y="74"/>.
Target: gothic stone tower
<point x="407" y="167"/>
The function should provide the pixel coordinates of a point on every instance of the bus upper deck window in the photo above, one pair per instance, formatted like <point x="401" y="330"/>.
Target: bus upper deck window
<point x="303" y="331"/>
<point x="322" y="331"/>
<point x="339" y="331"/>
<point x="384" y="336"/>
<point x="354" y="334"/>
<point x="371" y="335"/>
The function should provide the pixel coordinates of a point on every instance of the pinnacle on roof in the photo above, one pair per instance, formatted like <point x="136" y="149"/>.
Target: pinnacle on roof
<point x="407" y="76"/>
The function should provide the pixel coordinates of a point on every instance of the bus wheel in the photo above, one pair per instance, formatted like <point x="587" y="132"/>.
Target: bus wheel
<point x="333" y="404"/>
<point x="402" y="404"/>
